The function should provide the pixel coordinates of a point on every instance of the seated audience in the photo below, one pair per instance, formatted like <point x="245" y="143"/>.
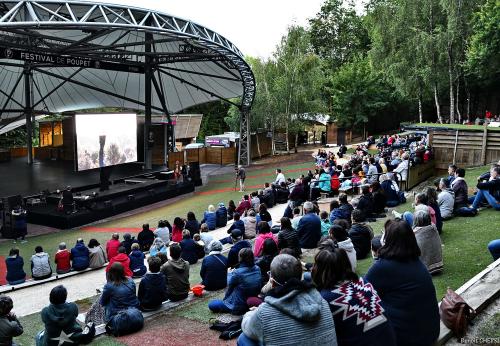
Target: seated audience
<point x="345" y="208"/>
<point x="112" y="246"/>
<point x="137" y="257"/>
<point x="428" y="241"/>
<point x="242" y="283"/>
<point x="378" y="198"/>
<point x="365" y="203"/>
<point x="14" y="264"/>
<point x="494" y="249"/>
<point x="209" y="218"/>
<point x="288" y="237"/>
<point x="119" y="292"/>
<point x="192" y="225"/>
<point x="244" y="205"/>
<point x="97" y="256"/>
<point x="221" y="215"/>
<point x="145" y="237"/>
<point x="63" y="259"/>
<point x="123" y="259"/>
<point x="163" y="231"/>
<point x="59" y="319"/>
<point x="231" y="208"/>
<point x="264" y="233"/>
<point x="237" y="224"/>
<point x="334" y="278"/>
<point x="309" y="228"/>
<point x="325" y="223"/>
<point x="420" y="204"/>
<point x="341" y="237"/>
<point x="376" y="245"/>
<point x="177" y="230"/>
<point x="127" y="242"/>
<point x="254" y="200"/>
<point x="250" y="224"/>
<point x="489" y="191"/>
<point x="80" y="256"/>
<point x="189" y="248"/>
<point x="176" y="272"/>
<point x="205" y="237"/>
<point x="405" y="286"/>
<point x="361" y="234"/>
<point x="445" y="200"/>
<point x="213" y="271"/>
<point x="269" y="251"/>
<point x="293" y="312"/>
<point x="152" y="288"/>
<point x="296" y="218"/>
<point x="390" y="190"/>
<point x="40" y="265"/>
<point x="157" y="247"/>
<point x="403" y="167"/>
<point x="264" y="214"/>
<point x="460" y="189"/>
<point x="10" y="326"/>
<point x="238" y="244"/>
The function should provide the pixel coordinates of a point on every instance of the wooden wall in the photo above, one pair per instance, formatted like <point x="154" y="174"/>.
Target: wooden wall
<point x="465" y="148"/>
<point x="261" y="145"/>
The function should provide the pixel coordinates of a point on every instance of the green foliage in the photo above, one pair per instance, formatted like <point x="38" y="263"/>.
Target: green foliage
<point x="213" y="117"/>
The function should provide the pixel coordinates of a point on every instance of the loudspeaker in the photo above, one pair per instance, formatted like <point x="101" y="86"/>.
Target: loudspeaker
<point x="195" y="173"/>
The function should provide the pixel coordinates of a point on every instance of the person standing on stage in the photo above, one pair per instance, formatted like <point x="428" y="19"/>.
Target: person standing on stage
<point x="241" y="174"/>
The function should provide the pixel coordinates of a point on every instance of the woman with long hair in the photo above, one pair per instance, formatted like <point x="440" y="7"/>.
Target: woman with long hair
<point x="288" y="237"/>
<point x="97" y="255"/>
<point x="177" y="229"/>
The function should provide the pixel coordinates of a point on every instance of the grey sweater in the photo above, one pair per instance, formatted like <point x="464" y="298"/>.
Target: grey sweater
<point x="429" y="242"/>
<point x="446" y="202"/>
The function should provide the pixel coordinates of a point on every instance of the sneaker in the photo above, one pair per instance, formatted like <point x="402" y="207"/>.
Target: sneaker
<point x="396" y="214"/>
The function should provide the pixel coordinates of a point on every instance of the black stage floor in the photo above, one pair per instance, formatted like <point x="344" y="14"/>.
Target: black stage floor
<point x="19" y="178"/>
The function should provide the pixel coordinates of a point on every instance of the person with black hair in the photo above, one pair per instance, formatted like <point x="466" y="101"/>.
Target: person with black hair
<point x="40" y="265"/>
<point x="269" y="251"/>
<point x="459" y="187"/>
<point x="192" y="224"/>
<point x="145" y="237"/>
<point x="244" y="205"/>
<point x="445" y="200"/>
<point x="341" y="238"/>
<point x="345" y="208"/>
<point x="176" y="272"/>
<point x="127" y="242"/>
<point x="489" y="191"/>
<point x="97" y="255"/>
<point x="177" y="229"/>
<point x="163" y="231"/>
<point x="375" y="246"/>
<point x="236" y="238"/>
<point x="365" y="203"/>
<point x="405" y="286"/>
<point x="10" y="326"/>
<point x="379" y="199"/>
<point x="237" y="224"/>
<point x="264" y="234"/>
<point x="119" y="292"/>
<point x="152" y="288"/>
<point x="361" y="234"/>
<point x="80" y="256"/>
<point x="288" y="237"/>
<point x="59" y="318"/>
<point x="337" y="282"/>
<point x="14" y="264"/>
<point x="231" y="208"/>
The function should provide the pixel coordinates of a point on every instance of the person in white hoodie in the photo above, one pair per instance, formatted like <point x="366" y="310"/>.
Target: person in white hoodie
<point x="341" y="237"/>
<point x="446" y="200"/>
<point x="40" y="264"/>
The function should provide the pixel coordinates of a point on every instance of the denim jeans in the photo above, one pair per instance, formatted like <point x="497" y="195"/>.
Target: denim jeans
<point x="408" y="217"/>
<point x="218" y="305"/>
<point x="494" y="248"/>
<point x="244" y="340"/>
<point x="485" y="194"/>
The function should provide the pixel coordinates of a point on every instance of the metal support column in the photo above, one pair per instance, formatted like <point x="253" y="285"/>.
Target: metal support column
<point x="148" y="75"/>
<point x="28" y="110"/>
<point x="244" y="158"/>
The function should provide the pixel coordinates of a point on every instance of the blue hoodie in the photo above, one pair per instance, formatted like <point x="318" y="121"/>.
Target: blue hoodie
<point x="137" y="263"/>
<point x="80" y="257"/>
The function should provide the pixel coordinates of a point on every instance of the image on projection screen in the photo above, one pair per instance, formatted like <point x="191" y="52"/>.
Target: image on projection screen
<point x="105" y="140"/>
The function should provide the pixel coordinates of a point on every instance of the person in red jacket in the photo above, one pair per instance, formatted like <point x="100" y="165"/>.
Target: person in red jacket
<point x="63" y="260"/>
<point x="244" y="205"/>
<point x="112" y="246"/>
<point x="123" y="259"/>
<point x="177" y="230"/>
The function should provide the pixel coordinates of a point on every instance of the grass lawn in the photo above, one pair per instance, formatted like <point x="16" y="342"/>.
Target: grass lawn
<point x="457" y="126"/>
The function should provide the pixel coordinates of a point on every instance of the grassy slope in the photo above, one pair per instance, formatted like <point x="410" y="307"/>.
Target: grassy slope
<point x="458" y="126"/>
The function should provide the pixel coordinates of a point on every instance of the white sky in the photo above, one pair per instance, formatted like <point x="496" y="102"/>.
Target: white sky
<point x="255" y="27"/>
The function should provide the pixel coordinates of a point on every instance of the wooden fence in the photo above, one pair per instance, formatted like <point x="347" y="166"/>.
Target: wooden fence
<point x="465" y="148"/>
<point x="213" y="155"/>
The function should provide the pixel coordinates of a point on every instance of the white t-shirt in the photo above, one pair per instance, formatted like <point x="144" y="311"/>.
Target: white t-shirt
<point x="280" y="178"/>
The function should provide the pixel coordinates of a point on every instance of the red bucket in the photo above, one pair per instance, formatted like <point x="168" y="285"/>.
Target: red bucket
<point x="197" y="290"/>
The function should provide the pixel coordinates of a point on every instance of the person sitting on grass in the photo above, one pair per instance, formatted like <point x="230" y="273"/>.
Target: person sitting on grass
<point x="264" y="234"/>
<point x="293" y="312"/>
<point x="390" y="190"/>
<point x="176" y="272"/>
<point x="489" y="191"/>
<point x="379" y="199"/>
<point x="428" y="241"/>
<point x="189" y="248"/>
<point x="127" y="242"/>
<point x="97" y="256"/>
<point x="137" y="261"/>
<point x="335" y="280"/>
<point x="365" y="203"/>
<point x="152" y="288"/>
<point x="361" y="234"/>
<point x="163" y="231"/>
<point x="494" y="249"/>
<point x="10" y="326"/>
<point x="157" y="247"/>
<point x="213" y="271"/>
<point x="376" y="244"/>
<point x="325" y="223"/>
<point x="145" y="237"/>
<point x="119" y="292"/>
<point x="59" y="318"/>
<point x="63" y="259"/>
<point x="14" y="264"/>
<point x="242" y="283"/>
<point x="238" y="244"/>
<point x="209" y="218"/>
<point x="112" y="246"/>
<point x="345" y="208"/>
<point x="80" y="256"/>
<point x="237" y="224"/>
<point x="192" y="225"/>
<point x="288" y="238"/>
<point x="40" y="265"/>
<point x="445" y="200"/>
<point x="460" y="189"/>
<point x="341" y="238"/>
<point x="123" y="259"/>
<point x="420" y="204"/>
<point x="221" y="215"/>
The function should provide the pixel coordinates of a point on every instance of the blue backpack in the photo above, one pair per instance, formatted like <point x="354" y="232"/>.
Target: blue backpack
<point x="125" y="322"/>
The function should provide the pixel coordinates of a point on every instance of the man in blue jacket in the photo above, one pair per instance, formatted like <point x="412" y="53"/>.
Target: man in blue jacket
<point x="309" y="228"/>
<point x="80" y="256"/>
<point x="221" y="215"/>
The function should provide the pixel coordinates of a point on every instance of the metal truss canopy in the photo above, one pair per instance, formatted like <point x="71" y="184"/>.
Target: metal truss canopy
<point x="73" y="55"/>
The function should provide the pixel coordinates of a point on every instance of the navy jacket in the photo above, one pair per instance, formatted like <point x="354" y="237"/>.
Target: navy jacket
<point x="115" y="298"/>
<point x="210" y="219"/>
<point x="409" y="299"/>
<point x="309" y="230"/>
<point x="221" y="217"/>
<point x="232" y="256"/>
<point x="243" y="283"/>
<point x="214" y="272"/>
<point x="152" y="291"/>
<point x="237" y="225"/>
<point x="146" y="239"/>
<point x="15" y="271"/>
<point x="361" y="239"/>
<point x="189" y="251"/>
<point x="137" y="263"/>
<point x="366" y="204"/>
<point x="80" y="257"/>
<point x="193" y="226"/>
<point x="390" y="192"/>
